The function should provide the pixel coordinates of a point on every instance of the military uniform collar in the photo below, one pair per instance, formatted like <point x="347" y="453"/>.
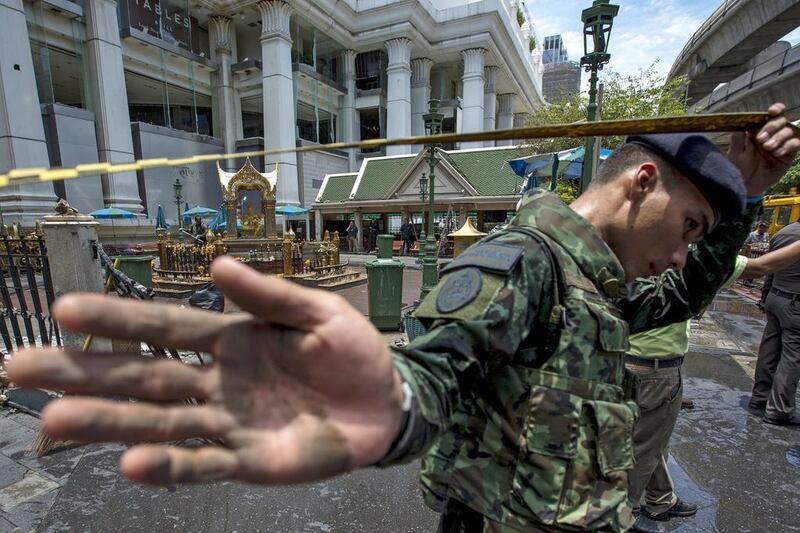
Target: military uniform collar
<point x="546" y="212"/>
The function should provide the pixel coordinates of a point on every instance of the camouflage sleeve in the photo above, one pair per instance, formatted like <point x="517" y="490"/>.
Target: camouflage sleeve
<point x="446" y="365"/>
<point x="679" y="295"/>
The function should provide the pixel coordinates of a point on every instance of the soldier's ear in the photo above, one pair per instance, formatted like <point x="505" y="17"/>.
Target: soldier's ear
<point x="642" y="181"/>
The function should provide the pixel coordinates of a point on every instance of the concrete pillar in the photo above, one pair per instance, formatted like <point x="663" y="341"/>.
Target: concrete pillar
<point x="473" y="81"/>
<point x="350" y="131"/>
<point x="398" y="93"/>
<point x="489" y="100"/>
<point x="220" y="36"/>
<point x="22" y="140"/>
<point x="110" y="103"/>
<point x="505" y="115"/>
<point x="73" y="266"/>
<point x="420" y="93"/>
<point x="360" y="225"/>
<point x="520" y="120"/>
<point x="318" y="225"/>
<point x="278" y="96"/>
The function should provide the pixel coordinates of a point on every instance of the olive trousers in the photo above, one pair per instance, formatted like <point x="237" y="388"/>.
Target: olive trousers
<point x="659" y="399"/>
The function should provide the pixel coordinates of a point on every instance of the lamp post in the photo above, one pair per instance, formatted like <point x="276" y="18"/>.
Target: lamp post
<point x="423" y="196"/>
<point x="430" y="272"/>
<point x="597" y="22"/>
<point x="177" y="187"/>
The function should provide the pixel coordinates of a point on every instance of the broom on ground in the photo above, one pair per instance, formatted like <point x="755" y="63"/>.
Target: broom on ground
<point x="42" y="442"/>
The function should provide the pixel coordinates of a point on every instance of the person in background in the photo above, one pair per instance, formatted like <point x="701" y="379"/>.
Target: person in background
<point x="199" y="229"/>
<point x="373" y="235"/>
<point x="409" y="236"/>
<point x="656" y="357"/>
<point x="760" y="234"/>
<point x="352" y="235"/>
<point x="778" y="366"/>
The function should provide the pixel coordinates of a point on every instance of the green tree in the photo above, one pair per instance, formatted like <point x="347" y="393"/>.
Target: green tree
<point x="642" y="95"/>
<point x="789" y="180"/>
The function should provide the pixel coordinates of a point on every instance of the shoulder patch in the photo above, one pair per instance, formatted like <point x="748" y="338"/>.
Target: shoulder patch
<point x="494" y="257"/>
<point x="459" y="290"/>
<point x="574" y="280"/>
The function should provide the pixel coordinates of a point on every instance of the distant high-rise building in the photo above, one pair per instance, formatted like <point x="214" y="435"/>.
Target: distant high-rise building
<point x="554" y="51"/>
<point x="561" y="79"/>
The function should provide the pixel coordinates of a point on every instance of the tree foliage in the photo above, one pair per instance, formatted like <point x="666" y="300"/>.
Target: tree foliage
<point x="789" y="180"/>
<point x="643" y="95"/>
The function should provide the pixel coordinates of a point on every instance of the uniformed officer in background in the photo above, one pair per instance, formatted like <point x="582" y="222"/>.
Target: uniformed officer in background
<point x="516" y="392"/>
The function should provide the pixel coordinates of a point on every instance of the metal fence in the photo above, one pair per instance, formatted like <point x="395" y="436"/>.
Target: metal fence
<point x="26" y="293"/>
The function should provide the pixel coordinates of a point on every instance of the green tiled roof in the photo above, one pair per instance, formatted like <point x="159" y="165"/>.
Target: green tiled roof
<point x="380" y="175"/>
<point x="488" y="170"/>
<point x="338" y="188"/>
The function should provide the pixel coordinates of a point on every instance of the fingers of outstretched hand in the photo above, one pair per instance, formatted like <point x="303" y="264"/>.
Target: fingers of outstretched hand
<point x="97" y="420"/>
<point x="162" y="465"/>
<point x="159" y="324"/>
<point x="769" y="129"/>
<point x="104" y="373"/>
<point x="267" y="297"/>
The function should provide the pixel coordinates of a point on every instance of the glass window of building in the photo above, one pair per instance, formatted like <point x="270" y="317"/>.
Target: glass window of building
<point x="372" y="126"/>
<point x="371" y="70"/>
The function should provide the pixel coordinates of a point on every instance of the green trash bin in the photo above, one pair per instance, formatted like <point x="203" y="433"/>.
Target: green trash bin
<point x="385" y="279"/>
<point x="137" y="267"/>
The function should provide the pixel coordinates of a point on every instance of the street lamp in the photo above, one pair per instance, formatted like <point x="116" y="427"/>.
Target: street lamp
<point x="430" y="273"/>
<point x="597" y="22"/>
<point x="423" y="196"/>
<point x="178" y="187"/>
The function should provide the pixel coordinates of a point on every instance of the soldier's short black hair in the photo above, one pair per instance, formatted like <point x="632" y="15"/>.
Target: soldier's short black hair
<point x="627" y="157"/>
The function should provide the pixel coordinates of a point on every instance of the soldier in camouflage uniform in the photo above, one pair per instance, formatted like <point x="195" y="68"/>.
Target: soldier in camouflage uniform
<point x="517" y="394"/>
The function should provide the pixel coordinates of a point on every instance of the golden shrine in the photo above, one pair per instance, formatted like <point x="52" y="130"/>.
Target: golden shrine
<point x="251" y="238"/>
<point x="258" y="218"/>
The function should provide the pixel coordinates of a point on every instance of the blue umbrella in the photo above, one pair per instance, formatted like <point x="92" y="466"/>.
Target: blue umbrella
<point x="568" y="164"/>
<point x="202" y="211"/>
<point x="290" y="210"/>
<point x="112" y="212"/>
<point x="221" y="221"/>
<point x="161" y="219"/>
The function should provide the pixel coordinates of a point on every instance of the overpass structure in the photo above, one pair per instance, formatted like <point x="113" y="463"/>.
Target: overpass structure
<point x="776" y="79"/>
<point x="722" y="49"/>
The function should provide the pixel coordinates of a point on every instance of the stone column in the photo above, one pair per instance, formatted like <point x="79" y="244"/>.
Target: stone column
<point x="350" y="131"/>
<point x="520" y="119"/>
<point x="489" y="100"/>
<point x="110" y="103"/>
<point x="505" y="115"/>
<point x="360" y="225"/>
<point x="473" y="81"/>
<point x="73" y="266"/>
<point x="22" y="140"/>
<point x="398" y="93"/>
<point x="420" y="93"/>
<point x="220" y="36"/>
<point x="278" y="96"/>
<point x="318" y="225"/>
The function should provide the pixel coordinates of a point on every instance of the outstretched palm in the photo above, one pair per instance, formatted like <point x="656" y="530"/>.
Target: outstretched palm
<point x="302" y="386"/>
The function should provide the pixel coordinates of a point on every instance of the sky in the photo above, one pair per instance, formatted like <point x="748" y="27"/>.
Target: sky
<point x="644" y="30"/>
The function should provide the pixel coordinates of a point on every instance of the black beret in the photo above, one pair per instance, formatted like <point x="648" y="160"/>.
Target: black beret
<point x="700" y="160"/>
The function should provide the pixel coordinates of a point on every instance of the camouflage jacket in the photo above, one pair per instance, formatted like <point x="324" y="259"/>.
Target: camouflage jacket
<point x="520" y="396"/>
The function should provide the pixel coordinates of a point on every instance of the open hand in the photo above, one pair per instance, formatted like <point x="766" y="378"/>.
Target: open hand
<point x="302" y="386"/>
<point x="764" y="156"/>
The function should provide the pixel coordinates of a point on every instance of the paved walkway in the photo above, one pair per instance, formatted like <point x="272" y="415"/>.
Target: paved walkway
<point x="745" y="475"/>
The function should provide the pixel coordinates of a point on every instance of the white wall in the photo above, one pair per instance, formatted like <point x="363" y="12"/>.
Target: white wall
<point x="200" y="185"/>
<point x="71" y="140"/>
<point x="314" y="167"/>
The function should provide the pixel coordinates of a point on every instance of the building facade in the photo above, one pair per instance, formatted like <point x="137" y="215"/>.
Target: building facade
<point x="89" y="81"/>
<point x="561" y="79"/>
